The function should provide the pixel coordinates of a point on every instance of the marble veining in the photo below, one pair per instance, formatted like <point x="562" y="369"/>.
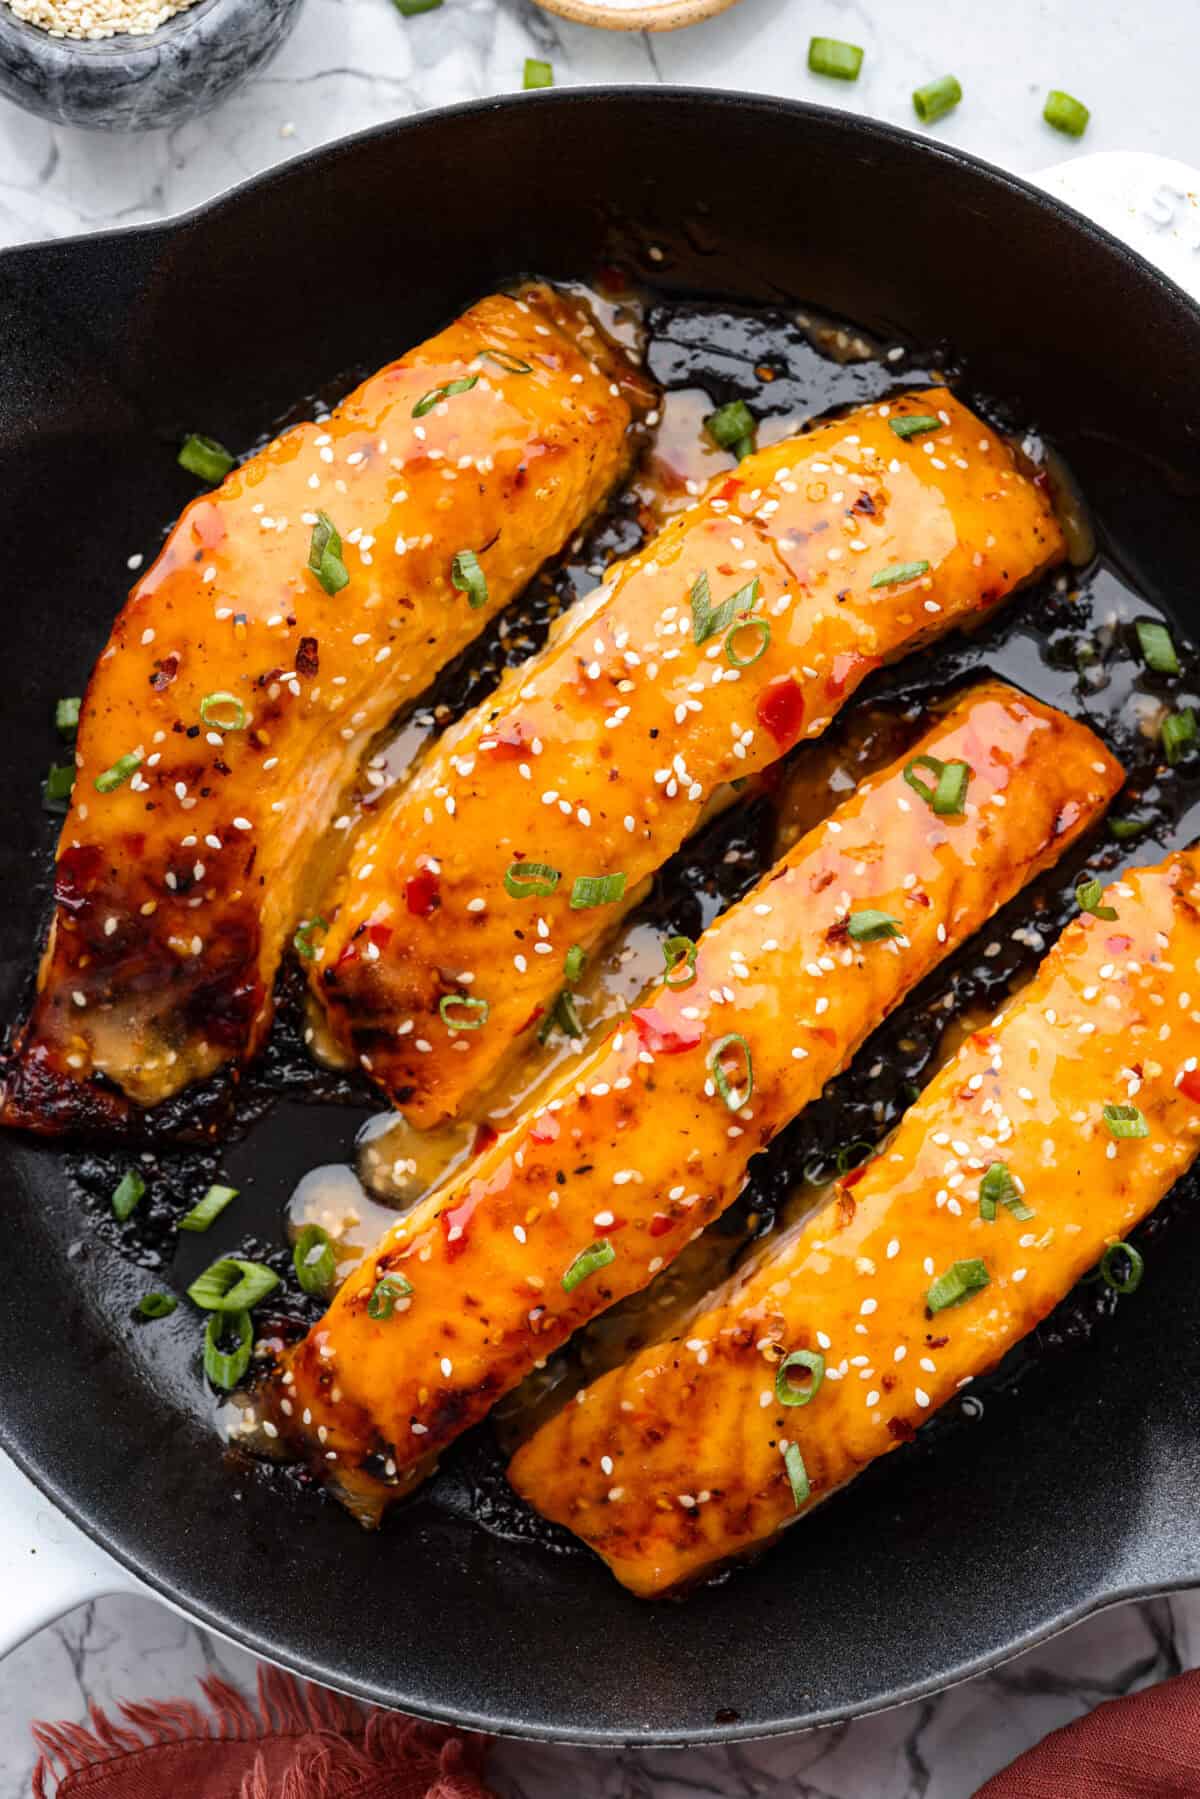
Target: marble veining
<point x="353" y="63"/>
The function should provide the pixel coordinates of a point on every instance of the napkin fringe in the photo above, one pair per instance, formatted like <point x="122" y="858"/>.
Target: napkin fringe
<point x="344" y="1744"/>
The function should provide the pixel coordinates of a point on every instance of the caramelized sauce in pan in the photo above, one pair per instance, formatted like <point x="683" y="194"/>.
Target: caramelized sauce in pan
<point x="304" y="1141"/>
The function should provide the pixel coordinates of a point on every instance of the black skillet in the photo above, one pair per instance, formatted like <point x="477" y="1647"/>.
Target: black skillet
<point x="1083" y="1490"/>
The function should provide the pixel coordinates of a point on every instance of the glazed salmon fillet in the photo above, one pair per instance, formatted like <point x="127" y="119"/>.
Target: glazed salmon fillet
<point x="743" y="627"/>
<point x="647" y="1138"/>
<point x="240" y="686"/>
<point x="1042" y="1143"/>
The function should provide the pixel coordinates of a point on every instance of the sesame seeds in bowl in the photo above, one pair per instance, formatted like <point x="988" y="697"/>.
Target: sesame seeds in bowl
<point x="133" y="65"/>
<point x="94" y="19"/>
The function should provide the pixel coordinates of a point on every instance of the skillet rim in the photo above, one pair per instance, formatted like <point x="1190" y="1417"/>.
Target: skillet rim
<point x="123" y="1550"/>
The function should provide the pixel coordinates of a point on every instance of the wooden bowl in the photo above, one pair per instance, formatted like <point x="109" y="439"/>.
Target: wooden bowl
<point x="650" y="15"/>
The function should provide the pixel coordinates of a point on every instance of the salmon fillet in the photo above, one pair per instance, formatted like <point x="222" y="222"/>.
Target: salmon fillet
<point x="1043" y="1142"/>
<point x="647" y="1138"/>
<point x="743" y="627"/>
<point x="239" y="688"/>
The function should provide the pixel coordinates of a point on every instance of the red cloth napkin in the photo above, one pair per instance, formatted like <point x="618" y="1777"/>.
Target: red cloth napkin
<point x="1144" y="1747"/>
<point x="301" y="1742"/>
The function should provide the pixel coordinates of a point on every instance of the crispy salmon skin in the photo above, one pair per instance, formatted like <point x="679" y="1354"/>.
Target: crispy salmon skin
<point x="647" y="1138"/>
<point x="742" y="627"/>
<point x="1044" y="1141"/>
<point x="241" y="685"/>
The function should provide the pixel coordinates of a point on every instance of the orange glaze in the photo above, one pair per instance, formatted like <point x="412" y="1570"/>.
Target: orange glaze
<point x="599" y="755"/>
<point x="672" y="1463"/>
<point x="177" y="891"/>
<point x="633" y="1147"/>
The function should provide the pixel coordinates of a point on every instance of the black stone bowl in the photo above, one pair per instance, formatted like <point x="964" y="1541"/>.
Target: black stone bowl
<point x="131" y="83"/>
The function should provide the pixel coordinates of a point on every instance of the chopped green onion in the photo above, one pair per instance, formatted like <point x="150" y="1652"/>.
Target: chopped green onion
<point x="530" y="880"/>
<point x="1088" y="895"/>
<point x="302" y="942"/>
<point x="850" y="1155"/>
<point x="960" y="1280"/>
<point x="734" y="1099"/>
<point x="155" y="1305"/>
<point x="912" y="424"/>
<point x="385" y="1293"/>
<point x="562" y="1015"/>
<point x="797" y="1474"/>
<point x="1178" y="734"/>
<point x="763" y="629"/>
<point x="232" y="1285"/>
<point x="538" y="74"/>
<point x="573" y="966"/>
<point x="998" y="1187"/>
<point x="512" y="365"/>
<point x="679" y="953"/>
<point x="869" y="926"/>
<point x="830" y="56"/>
<point x="314" y="1260"/>
<point x="1123" y="828"/>
<point x="596" y="890"/>
<point x="707" y="619"/>
<point x="325" y="555"/>
<point x="1065" y="113"/>
<point x="899" y="571"/>
<point x="948" y="796"/>
<point x="225" y="1367"/>
<point x="1125" y="1122"/>
<point x="409" y="9"/>
<point x="1157" y="647"/>
<point x="119" y="773"/>
<point x="223" y="711"/>
<point x="207" y="1210"/>
<point x="732" y="427"/>
<point x="598" y="1255"/>
<point x="205" y="457"/>
<point x="66" y="717"/>
<point x="56" y="788"/>
<point x="469" y="578"/>
<point x="1132" y="1279"/>
<point x="476" y="1011"/>
<point x="936" y="99"/>
<point x="127" y="1194"/>
<point x="789" y="1394"/>
<point x="428" y="401"/>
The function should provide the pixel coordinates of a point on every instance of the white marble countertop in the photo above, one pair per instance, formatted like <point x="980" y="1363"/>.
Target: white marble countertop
<point x="352" y="63"/>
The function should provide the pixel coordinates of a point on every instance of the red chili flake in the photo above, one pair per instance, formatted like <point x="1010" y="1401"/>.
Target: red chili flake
<point x="1118" y="944"/>
<point x="507" y="742"/>
<point x="456" y="1219"/>
<point x="846" y="666"/>
<point x="421" y="893"/>
<point x="538" y="1012"/>
<point x="380" y="935"/>
<point x="780" y="710"/>
<point x="545" y="1129"/>
<point x="1190" y="1085"/>
<point x="660" y="1224"/>
<point x="853" y="1175"/>
<point x="661" y="1035"/>
<point x="308" y="661"/>
<point x="485" y="1135"/>
<point x="982" y="1040"/>
<point x="165" y="672"/>
<point x="606" y="1230"/>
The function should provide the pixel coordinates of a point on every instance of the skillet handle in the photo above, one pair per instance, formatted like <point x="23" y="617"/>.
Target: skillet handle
<point x="47" y="1565"/>
<point x="1152" y="203"/>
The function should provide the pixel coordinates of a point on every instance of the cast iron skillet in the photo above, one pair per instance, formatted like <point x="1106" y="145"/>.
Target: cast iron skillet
<point x="112" y="347"/>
